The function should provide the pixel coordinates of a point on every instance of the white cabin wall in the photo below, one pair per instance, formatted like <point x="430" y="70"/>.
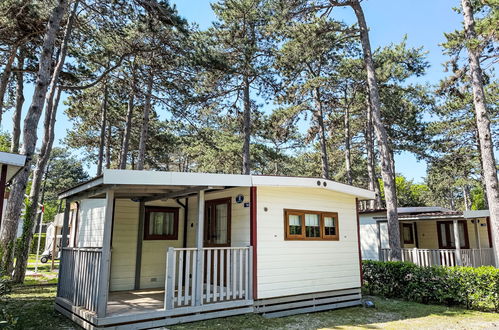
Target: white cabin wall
<point x="240" y="222"/>
<point x="153" y="263"/>
<point x="124" y="248"/>
<point x="296" y="267"/>
<point x="153" y="269"/>
<point x="124" y="244"/>
<point x="369" y="236"/>
<point x="91" y="222"/>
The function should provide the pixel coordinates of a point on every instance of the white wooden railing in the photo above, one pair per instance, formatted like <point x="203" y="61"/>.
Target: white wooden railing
<point x="444" y="257"/>
<point x="78" y="281"/>
<point x="226" y="275"/>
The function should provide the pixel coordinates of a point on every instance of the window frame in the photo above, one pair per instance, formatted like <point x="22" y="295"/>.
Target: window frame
<point x="303" y="237"/>
<point x="147" y="221"/>
<point x="334" y="215"/>
<point x="411" y="230"/>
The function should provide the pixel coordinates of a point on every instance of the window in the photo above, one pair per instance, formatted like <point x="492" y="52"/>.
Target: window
<point x="446" y="239"/>
<point x="330" y="225"/>
<point x="408" y="233"/>
<point x="310" y="225"/>
<point x="161" y="223"/>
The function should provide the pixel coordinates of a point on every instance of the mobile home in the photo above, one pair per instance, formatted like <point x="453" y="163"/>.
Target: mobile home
<point x="149" y="249"/>
<point x="430" y="236"/>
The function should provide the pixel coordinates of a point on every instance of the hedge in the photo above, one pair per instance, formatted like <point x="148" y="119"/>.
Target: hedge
<point x="34" y="243"/>
<point x="475" y="288"/>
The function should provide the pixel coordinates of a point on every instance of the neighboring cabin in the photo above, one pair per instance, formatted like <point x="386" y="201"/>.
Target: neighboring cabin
<point x="148" y="249"/>
<point x="428" y="236"/>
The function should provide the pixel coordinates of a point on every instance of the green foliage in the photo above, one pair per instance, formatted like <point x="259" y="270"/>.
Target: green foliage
<point x="5" y="286"/>
<point x="478" y="198"/>
<point x="64" y="170"/>
<point x="4" y="141"/>
<point x="475" y="288"/>
<point x="34" y="243"/>
<point x="408" y="192"/>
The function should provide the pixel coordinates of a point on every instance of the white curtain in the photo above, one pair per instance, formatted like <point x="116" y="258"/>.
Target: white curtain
<point x="312" y="220"/>
<point x="221" y="224"/>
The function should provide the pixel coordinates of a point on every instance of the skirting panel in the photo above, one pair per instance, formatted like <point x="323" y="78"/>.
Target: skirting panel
<point x="124" y="322"/>
<point x="308" y="303"/>
<point x="274" y="307"/>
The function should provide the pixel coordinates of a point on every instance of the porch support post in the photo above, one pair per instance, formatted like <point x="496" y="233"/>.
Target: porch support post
<point x="105" y="265"/>
<point x="380" y="252"/>
<point x="64" y="241"/>
<point x="478" y="242"/>
<point x="199" y="245"/>
<point x="138" y="252"/>
<point x="459" y="261"/>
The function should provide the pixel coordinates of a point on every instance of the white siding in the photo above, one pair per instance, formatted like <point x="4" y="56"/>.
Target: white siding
<point x="154" y="252"/>
<point x="124" y="244"/>
<point x="369" y="235"/>
<point x="124" y="250"/>
<point x="240" y="223"/>
<point x="125" y="228"/>
<point x="297" y="267"/>
<point x="91" y="222"/>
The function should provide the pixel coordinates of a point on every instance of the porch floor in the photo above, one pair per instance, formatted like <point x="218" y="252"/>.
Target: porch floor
<point x="122" y="302"/>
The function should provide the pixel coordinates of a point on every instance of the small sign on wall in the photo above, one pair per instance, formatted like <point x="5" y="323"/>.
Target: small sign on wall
<point x="247" y="204"/>
<point x="239" y="199"/>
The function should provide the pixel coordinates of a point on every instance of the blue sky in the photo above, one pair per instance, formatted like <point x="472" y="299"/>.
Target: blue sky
<point x="423" y="21"/>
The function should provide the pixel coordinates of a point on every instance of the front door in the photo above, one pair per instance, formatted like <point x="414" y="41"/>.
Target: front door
<point x="217" y="220"/>
<point x="445" y="230"/>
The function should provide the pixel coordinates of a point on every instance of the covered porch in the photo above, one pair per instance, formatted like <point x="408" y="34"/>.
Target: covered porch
<point x="451" y="239"/>
<point x="199" y="280"/>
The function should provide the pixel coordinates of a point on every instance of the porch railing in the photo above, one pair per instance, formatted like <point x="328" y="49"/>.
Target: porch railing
<point x="226" y="274"/>
<point x="79" y="280"/>
<point x="444" y="257"/>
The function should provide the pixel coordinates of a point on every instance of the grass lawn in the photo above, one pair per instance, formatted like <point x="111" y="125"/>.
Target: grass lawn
<point x="32" y="306"/>
<point x="45" y="275"/>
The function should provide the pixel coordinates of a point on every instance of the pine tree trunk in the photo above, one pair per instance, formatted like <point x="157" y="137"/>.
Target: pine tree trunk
<point x="371" y="169"/>
<point x="16" y="198"/>
<point x="16" y="118"/>
<point x="319" y="118"/>
<point x="103" y="123"/>
<point x="108" y="145"/>
<point x="466" y="197"/>
<point x="52" y="103"/>
<point x="4" y="80"/>
<point x="483" y="125"/>
<point x="246" y="127"/>
<point x="386" y="162"/>
<point x="128" y="125"/>
<point x="348" y="165"/>
<point x="31" y="216"/>
<point x="145" y="123"/>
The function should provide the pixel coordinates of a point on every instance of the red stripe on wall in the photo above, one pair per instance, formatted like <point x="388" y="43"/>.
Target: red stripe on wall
<point x="253" y="237"/>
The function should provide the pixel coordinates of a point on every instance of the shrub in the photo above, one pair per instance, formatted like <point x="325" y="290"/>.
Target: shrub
<point x="475" y="288"/>
<point x="5" y="286"/>
<point x="34" y="243"/>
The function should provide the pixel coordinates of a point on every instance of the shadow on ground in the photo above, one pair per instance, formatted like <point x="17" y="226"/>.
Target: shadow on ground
<point x="387" y="314"/>
<point x="31" y="307"/>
